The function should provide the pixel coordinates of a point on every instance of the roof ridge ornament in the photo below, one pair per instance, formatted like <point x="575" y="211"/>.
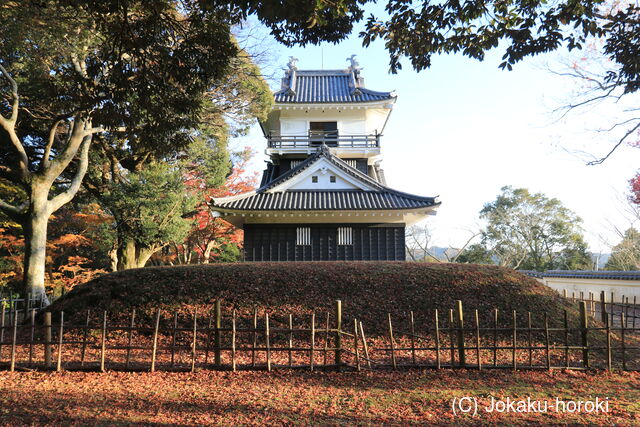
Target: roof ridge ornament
<point x="324" y="149"/>
<point x="292" y="63"/>
<point x="354" y="65"/>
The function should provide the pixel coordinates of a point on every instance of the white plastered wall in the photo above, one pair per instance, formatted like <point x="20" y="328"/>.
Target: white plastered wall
<point x="350" y="121"/>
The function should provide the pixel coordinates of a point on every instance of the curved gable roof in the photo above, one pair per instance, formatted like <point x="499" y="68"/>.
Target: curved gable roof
<point x="382" y="197"/>
<point x="326" y="86"/>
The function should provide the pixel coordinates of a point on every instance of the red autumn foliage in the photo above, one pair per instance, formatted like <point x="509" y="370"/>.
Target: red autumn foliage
<point x="72" y="254"/>
<point x="634" y="183"/>
<point x="306" y="398"/>
<point x="209" y="235"/>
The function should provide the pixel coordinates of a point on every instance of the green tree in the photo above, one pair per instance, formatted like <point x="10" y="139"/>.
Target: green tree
<point x="532" y="232"/>
<point x="476" y="254"/>
<point x="148" y="207"/>
<point x="625" y="256"/>
<point x="72" y="70"/>
<point x="231" y="106"/>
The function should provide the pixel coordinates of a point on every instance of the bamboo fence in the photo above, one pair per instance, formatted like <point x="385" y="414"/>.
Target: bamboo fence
<point x="264" y="340"/>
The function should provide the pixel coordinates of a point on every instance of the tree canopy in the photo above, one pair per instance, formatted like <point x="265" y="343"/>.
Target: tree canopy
<point x="530" y="231"/>
<point x="625" y="256"/>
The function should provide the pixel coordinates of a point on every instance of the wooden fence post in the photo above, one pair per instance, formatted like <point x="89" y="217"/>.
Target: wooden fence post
<point x="195" y="340"/>
<point x="154" y="349"/>
<point x="290" y="340"/>
<point x="13" y="342"/>
<point x="33" y="335"/>
<point x="603" y="307"/>
<point x="355" y="343"/>
<point x="338" y="351"/>
<point x="266" y="339"/>
<point x="584" y="331"/>
<point x="461" y="352"/>
<point x="452" y="338"/>
<point x="60" y="334"/>
<point x="233" y="341"/>
<point x="132" y="325"/>
<point x="623" y="347"/>
<point x="255" y="336"/>
<point x="515" y="341"/>
<point x="413" y="339"/>
<point x="216" y="337"/>
<point x="2" y="317"/>
<point x="364" y="345"/>
<point x="546" y="341"/>
<point x="392" y="344"/>
<point x="566" y="337"/>
<point x="103" y="346"/>
<point x="495" y="337"/>
<point x="173" y="339"/>
<point x="326" y="341"/>
<point x="478" y="354"/>
<point x="48" y="358"/>
<point x="313" y="340"/>
<point x="608" y="329"/>
<point x="437" y="333"/>
<point x="11" y="308"/>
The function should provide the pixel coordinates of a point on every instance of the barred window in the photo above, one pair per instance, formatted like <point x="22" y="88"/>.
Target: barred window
<point x="332" y="178"/>
<point x="345" y="236"/>
<point x="303" y="236"/>
<point x="295" y="163"/>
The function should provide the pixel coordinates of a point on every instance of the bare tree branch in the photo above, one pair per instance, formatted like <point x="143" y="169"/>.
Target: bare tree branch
<point x="9" y="126"/>
<point x="47" y="149"/>
<point x="619" y="143"/>
<point x="65" y="197"/>
<point x="13" y="212"/>
<point x="14" y="94"/>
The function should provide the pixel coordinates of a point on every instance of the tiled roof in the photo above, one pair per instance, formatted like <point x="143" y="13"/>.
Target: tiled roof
<point x="576" y="274"/>
<point x="382" y="198"/>
<point x="326" y="200"/>
<point x="322" y="152"/>
<point x="326" y="86"/>
<point x="532" y="273"/>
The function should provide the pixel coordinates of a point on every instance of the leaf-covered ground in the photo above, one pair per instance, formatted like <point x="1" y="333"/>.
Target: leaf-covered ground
<point x="399" y="398"/>
<point x="368" y="290"/>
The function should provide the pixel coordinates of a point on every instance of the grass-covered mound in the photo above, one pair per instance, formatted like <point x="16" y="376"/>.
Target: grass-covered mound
<point x="368" y="290"/>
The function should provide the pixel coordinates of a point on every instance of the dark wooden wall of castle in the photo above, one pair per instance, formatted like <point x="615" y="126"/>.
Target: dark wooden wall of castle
<point x="277" y="242"/>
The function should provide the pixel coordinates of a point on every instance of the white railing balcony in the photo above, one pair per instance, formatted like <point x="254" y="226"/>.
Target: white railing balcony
<point x="317" y="138"/>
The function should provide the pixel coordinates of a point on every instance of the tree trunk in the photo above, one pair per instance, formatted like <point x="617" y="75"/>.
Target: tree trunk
<point x="35" y="236"/>
<point x="132" y="255"/>
<point x="126" y="254"/>
<point x="207" y="251"/>
<point x="113" y="257"/>
<point x="144" y="253"/>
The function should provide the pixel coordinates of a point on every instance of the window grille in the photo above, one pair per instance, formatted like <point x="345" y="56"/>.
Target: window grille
<point x="332" y="178"/>
<point x="314" y="179"/>
<point x="303" y="236"/>
<point x="345" y="236"/>
<point x="295" y="163"/>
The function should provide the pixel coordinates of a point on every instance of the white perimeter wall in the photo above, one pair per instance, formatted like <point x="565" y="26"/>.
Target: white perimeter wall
<point x="620" y="288"/>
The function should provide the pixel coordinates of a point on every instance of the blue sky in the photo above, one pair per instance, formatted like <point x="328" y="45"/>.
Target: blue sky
<point x="463" y="129"/>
